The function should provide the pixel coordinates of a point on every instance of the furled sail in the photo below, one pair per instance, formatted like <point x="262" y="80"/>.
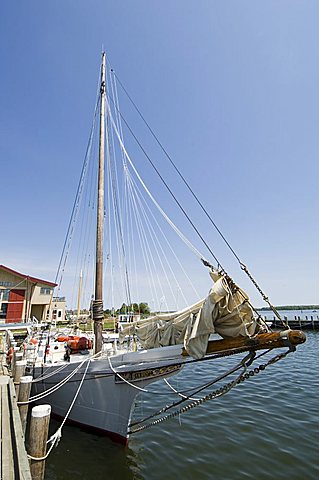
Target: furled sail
<point x="225" y="311"/>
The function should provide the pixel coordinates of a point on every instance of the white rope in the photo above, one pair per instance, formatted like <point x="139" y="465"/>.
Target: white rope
<point x="151" y="232"/>
<point x="112" y="212"/>
<point x="142" y="241"/>
<point x="178" y="393"/>
<point x="150" y="257"/>
<point x="131" y="234"/>
<point x="156" y="241"/>
<point x="117" y="112"/>
<point x="56" y="437"/>
<point x="109" y="257"/>
<point x="52" y="389"/>
<point x="171" y="223"/>
<point x="167" y="242"/>
<point x="44" y="377"/>
<point x="60" y="384"/>
<point x="123" y="379"/>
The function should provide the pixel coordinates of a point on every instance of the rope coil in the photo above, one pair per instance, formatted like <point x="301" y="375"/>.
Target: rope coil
<point x="97" y="308"/>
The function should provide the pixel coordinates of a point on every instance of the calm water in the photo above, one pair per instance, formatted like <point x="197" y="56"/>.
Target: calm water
<point x="266" y="428"/>
<point x="291" y="314"/>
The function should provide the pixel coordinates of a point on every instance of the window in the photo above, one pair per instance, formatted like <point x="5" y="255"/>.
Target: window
<point x="45" y="291"/>
<point x="3" y="311"/>
<point x="4" y="295"/>
<point x="6" y="284"/>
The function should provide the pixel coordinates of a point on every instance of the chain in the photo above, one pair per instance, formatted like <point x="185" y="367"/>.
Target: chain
<point x="216" y="394"/>
<point x="264" y="296"/>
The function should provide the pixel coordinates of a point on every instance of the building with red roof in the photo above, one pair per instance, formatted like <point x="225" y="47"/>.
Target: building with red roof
<point x="24" y="297"/>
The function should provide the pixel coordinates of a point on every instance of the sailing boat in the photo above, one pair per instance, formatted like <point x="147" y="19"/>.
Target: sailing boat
<point x="96" y="389"/>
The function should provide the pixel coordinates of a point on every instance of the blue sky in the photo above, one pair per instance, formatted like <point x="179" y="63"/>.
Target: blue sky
<point x="230" y="87"/>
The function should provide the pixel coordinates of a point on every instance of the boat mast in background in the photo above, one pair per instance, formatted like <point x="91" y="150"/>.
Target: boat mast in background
<point x="98" y="299"/>
<point x="79" y="300"/>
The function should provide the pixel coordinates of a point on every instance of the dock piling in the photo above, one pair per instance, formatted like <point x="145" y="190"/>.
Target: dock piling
<point x="16" y="357"/>
<point x="39" y="427"/>
<point x="18" y="373"/>
<point x="24" y="395"/>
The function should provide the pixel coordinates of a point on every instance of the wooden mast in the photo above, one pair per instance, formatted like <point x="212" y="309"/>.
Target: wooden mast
<point x="98" y="298"/>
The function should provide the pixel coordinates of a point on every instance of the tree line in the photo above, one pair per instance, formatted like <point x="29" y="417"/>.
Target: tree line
<point x="293" y="307"/>
<point x="137" y="308"/>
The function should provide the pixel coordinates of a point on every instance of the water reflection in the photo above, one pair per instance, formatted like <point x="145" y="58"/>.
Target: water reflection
<point x="83" y="455"/>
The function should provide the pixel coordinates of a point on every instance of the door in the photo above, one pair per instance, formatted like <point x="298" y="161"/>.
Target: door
<point x="15" y="306"/>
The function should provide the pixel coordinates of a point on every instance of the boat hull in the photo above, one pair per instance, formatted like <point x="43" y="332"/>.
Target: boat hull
<point x="105" y="400"/>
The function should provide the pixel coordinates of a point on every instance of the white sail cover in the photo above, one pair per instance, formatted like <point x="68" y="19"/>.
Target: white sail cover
<point x="225" y="311"/>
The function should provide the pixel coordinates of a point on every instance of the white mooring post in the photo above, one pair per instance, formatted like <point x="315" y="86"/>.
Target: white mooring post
<point x="39" y="427"/>
<point x="24" y="395"/>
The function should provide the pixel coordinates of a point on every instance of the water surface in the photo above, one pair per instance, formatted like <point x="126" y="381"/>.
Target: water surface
<point x="266" y="428"/>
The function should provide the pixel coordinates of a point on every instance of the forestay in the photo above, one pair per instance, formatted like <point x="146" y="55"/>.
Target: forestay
<point x="225" y="311"/>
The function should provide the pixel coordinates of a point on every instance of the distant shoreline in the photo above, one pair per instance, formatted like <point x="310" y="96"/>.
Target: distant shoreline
<point x="292" y="307"/>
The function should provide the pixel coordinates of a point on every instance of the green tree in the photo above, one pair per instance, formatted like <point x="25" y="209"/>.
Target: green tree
<point x="123" y="308"/>
<point x="135" y="307"/>
<point x="144" y="308"/>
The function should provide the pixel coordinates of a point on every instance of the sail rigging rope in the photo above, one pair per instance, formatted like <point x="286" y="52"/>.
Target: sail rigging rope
<point x="119" y="227"/>
<point x="142" y="205"/>
<point x="68" y="238"/>
<point x="60" y="384"/>
<point x="114" y="196"/>
<point x="146" y="254"/>
<point x="241" y="264"/>
<point x="179" y="233"/>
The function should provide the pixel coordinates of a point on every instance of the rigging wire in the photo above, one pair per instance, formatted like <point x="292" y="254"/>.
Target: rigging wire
<point x="114" y="194"/>
<point x="146" y="245"/>
<point x="179" y="233"/>
<point x="170" y="191"/>
<point x="147" y="258"/>
<point x="241" y="264"/>
<point x="76" y="204"/>
<point x="143" y="208"/>
<point x="186" y="241"/>
<point x="155" y="240"/>
<point x="175" y="167"/>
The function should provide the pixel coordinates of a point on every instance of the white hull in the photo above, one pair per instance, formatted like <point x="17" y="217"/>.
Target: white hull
<point x="105" y="401"/>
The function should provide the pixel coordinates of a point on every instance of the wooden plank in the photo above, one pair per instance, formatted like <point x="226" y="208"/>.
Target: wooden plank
<point x="7" y="452"/>
<point x="23" y="463"/>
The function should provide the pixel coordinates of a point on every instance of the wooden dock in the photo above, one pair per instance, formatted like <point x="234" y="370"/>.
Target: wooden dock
<point x="14" y="462"/>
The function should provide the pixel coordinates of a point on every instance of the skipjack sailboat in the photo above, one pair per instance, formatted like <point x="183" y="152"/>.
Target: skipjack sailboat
<point x="96" y="387"/>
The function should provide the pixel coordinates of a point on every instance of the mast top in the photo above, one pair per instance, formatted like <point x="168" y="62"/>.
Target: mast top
<point x="102" y="88"/>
